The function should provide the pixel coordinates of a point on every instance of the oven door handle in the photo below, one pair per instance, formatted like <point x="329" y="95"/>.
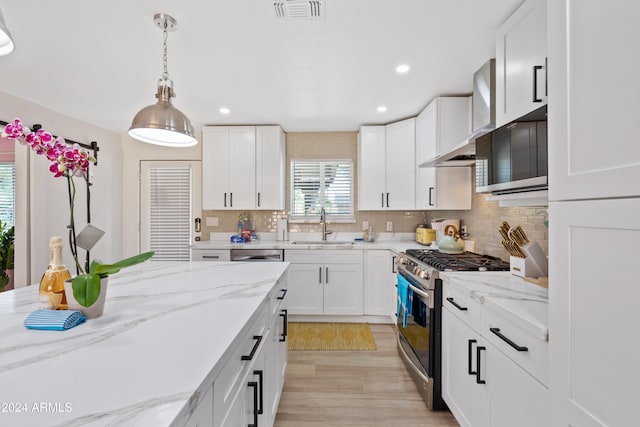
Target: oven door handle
<point x="420" y="292"/>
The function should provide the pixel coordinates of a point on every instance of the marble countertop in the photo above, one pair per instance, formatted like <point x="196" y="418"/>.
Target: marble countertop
<point x="165" y="329"/>
<point x="523" y="303"/>
<point x="397" y="242"/>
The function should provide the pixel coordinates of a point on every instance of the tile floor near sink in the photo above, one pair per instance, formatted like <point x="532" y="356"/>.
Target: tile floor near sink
<point x="354" y="388"/>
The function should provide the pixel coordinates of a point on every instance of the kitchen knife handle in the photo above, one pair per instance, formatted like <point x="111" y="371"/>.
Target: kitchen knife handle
<point x="478" y="380"/>
<point x="535" y="82"/>
<point x="430" y="195"/>
<point x="497" y="332"/>
<point x="456" y="305"/>
<point x="470" y="356"/>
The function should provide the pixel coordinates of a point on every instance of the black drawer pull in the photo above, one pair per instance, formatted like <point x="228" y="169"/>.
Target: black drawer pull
<point x="254" y="385"/>
<point x="259" y="373"/>
<point x="535" y="82"/>
<point x="258" y="339"/>
<point x="456" y="305"/>
<point x="211" y="256"/>
<point x="470" y="370"/>
<point x="284" y="292"/>
<point x="478" y="380"/>
<point x="285" y="322"/>
<point x="430" y="195"/>
<point x="507" y="340"/>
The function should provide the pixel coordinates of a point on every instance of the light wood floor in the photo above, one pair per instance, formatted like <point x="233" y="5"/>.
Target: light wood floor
<point x="354" y="388"/>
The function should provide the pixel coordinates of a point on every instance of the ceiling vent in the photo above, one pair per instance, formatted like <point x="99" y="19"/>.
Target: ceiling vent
<point x="298" y="10"/>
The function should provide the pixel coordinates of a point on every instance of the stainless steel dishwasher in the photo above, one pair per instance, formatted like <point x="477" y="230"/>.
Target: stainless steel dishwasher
<point x="257" y="255"/>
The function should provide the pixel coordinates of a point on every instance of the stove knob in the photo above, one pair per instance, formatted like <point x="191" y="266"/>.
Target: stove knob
<point x="416" y="269"/>
<point x="422" y="274"/>
<point x="402" y="260"/>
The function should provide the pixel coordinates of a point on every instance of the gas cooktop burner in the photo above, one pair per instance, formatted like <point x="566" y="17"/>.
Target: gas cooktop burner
<point x="466" y="261"/>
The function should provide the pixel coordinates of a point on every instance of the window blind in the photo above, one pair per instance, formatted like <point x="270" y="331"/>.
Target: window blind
<point x="322" y="184"/>
<point x="7" y="193"/>
<point x="170" y="213"/>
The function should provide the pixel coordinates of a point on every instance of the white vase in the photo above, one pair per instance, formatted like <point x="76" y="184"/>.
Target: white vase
<point x="94" y="310"/>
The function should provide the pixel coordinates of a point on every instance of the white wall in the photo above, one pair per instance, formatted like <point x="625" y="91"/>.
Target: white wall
<point x="133" y="152"/>
<point x="48" y="195"/>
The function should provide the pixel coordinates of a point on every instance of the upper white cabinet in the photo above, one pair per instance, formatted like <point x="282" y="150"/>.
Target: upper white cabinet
<point x="243" y="167"/>
<point x="442" y="125"/>
<point x="593" y="114"/>
<point x="386" y="166"/>
<point x="521" y="50"/>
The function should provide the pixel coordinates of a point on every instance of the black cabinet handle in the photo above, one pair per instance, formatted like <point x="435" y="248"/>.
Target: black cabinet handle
<point x="497" y="332"/>
<point x="478" y="380"/>
<point x="326" y="275"/>
<point x="535" y="82"/>
<point x="258" y="339"/>
<point x="546" y="76"/>
<point x="284" y="292"/>
<point x="456" y="305"/>
<point x="319" y="274"/>
<point x="258" y="199"/>
<point x="470" y="356"/>
<point x="382" y="200"/>
<point x="431" y="195"/>
<point x="284" y="313"/>
<point x="231" y="199"/>
<point x="260" y="375"/>
<point x="393" y="265"/>
<point x="254" y="385"/>
<point x="387" y="199"/>
<point x="211" y="256"/>
<point x="225" y="200"/>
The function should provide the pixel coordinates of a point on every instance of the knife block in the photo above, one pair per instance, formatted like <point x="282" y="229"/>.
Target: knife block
<point x="534" y="264"/>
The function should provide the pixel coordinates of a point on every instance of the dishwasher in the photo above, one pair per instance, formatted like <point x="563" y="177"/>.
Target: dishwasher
<point x="257" y="255"/>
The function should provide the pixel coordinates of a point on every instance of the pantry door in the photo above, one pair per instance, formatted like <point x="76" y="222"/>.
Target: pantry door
<point x="170" y="193"/>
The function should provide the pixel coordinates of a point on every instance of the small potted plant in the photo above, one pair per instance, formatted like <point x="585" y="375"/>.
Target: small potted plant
<point x="71" y="162"/>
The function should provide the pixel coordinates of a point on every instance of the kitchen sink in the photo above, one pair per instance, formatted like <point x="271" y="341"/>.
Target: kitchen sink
<point x="321" y="242"/>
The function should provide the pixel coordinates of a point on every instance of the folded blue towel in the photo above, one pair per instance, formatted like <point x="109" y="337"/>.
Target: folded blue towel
<point x="405" y="300"/>
<point x="54" y="320"/>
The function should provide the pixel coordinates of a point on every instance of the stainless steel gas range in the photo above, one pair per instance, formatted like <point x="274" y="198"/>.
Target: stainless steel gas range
<point x="420" y="312"/>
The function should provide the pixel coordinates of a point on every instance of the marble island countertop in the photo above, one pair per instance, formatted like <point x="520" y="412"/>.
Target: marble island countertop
<point x="165" y="329"/>
<point x="524" y="303"/>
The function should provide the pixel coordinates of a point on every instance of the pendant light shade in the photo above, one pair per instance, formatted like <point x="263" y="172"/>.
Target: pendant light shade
<point x="162" y="123"/>
<point x="6" y="42"/>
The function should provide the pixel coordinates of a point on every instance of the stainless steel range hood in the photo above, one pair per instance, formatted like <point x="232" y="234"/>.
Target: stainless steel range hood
<point x="484" y="119"/>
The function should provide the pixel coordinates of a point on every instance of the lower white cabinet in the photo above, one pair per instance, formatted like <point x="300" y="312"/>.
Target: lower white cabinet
<point x="482" y="386"/>
<point x="325" y="282"/>
<point x="210" y="255"/>
<point x="379" y="283"/>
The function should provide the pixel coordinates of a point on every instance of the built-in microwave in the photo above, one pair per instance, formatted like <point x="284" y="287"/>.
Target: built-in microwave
<point x="513" y="158"/>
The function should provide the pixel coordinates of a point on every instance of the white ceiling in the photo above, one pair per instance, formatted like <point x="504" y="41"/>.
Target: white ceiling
<point x="99" y="61"/>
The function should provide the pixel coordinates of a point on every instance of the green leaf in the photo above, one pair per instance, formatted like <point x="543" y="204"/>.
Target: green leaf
<point x="104" y="270"/>
<point x="86" y="289"/>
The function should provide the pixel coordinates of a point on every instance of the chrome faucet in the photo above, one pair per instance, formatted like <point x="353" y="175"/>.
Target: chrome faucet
<point x="323" y="222"/>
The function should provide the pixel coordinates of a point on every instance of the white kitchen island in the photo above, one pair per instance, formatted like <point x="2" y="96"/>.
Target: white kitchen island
<point x="168" y="332"/>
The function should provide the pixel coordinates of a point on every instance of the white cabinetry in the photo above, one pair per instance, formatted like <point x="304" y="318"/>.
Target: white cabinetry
<point x="379" y="283"/>
<point x="386" y="166"/>
<point x="521" y="50"/>
<point x="202" y="416"/>
<point x="242" y="167"/>
<point x="325" y="282"/>
<point x="594" y="171"/>
<point x="442" y="125"/>
<point x="210" y="255"/>
<point x="486" y="380"/>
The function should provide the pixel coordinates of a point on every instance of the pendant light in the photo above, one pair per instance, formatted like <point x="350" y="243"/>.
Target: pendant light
<point x="6" y="42"/>
<point x="161" y="123"/>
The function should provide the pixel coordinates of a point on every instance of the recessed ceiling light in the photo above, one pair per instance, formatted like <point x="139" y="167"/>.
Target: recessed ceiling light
<point x="403" y="68"/>
<point x="224" y="110"/>
<point x="382" y="109"/>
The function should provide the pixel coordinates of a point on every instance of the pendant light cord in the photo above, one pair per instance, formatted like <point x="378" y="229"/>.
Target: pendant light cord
<point x="165" y="74"/>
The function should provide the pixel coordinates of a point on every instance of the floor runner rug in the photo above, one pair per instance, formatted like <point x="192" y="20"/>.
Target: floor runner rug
<point x="320" y="336"/>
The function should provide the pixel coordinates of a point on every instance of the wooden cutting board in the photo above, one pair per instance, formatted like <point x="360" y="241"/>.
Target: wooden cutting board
<point x="540" y="281"/>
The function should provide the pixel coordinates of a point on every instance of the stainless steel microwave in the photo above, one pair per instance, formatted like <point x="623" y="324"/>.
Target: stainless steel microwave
<point x="513" y="158"/>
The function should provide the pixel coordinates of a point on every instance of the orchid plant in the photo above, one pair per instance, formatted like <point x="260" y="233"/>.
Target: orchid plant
<point x="71" y="161"/>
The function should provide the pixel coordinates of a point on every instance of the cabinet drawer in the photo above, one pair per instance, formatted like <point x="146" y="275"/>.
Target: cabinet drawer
<point x="277" y="297"/>
<point x="310" y="256"/>
<point x="303" y="256"/>
<point x="210" y="255"/>
<point x="227" y="383"/>
<point x="528" y="351"/>
<point x="461" y="305"/>
<point x="343" y="257"/>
